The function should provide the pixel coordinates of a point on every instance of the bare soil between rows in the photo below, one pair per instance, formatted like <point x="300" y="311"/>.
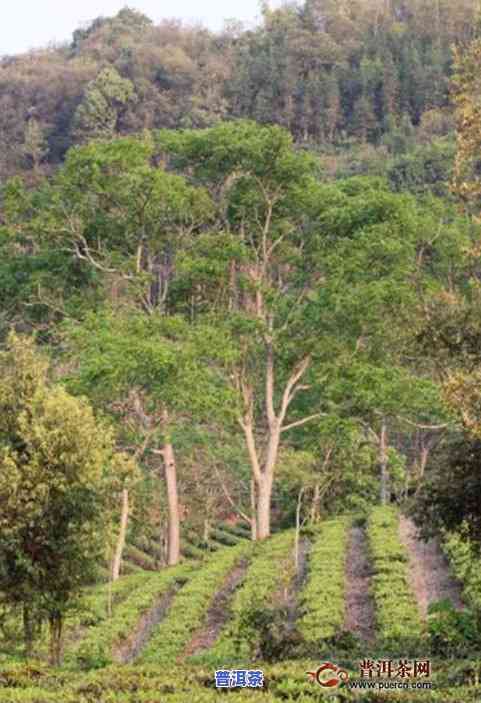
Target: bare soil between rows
<point x="359" y="617"/>
<point x="217" y="614"/>
<point x="429" y="574"/>
<point x="131" y="648"/>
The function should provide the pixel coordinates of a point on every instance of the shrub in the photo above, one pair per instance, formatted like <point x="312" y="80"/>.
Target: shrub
<point x="271" y="570"/>
<point x="465" y="563"/>
<point x="322" y="599"/>
<point x="398" y="621"/>
<point x="189" y="608"/>
<point x="452" y="632"/>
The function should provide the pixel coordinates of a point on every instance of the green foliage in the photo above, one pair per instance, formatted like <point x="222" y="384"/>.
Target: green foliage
<point x="284" y="682"/>
<point x="452" y="633"/>
<point x="398" y="623"/>
<point x="314" y="72"/>
<point x="97" y="115"/>
<point x="464" y="560"/>
<point x="467" y="182"/>
<point x="189" y="262"/>
<point x="448" y="498"/>
<point x="226" y="538"/>
<point x="270" y="571"/>
<point x="427" y="169"/>
<point x="101" y="642"/>
<point x="322" y="598"/>
<point x="189" y="608"/>
<point x="55" y="462"/>
<point x="35" y="147"/>
<point x="139" y="558"/>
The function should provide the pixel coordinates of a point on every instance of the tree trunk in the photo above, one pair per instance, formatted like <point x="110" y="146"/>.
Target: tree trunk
<point x="253" y="511"/>
<point x="206" y="535"/>
<point x="162" y="545"/>
<point x="316" y="504"/>
<point x="423" y="461"/>
<point x="55" y="645"/>
<point x="298" y="529"/>
<point x="173" y="545"/>
<point x="124" y="518"/>
<point x="383" y="459"/>
<point x="109" y="598"/>
<point x="263" y="471"/>
<point x="264" y="493"/>
<point x="28" y="629"/>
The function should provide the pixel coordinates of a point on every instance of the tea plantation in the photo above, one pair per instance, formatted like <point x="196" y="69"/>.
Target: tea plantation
<point x="245" y="606"/>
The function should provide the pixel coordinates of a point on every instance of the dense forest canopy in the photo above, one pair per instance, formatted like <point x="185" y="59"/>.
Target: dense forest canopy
<point x="239" y="284"/>
<point x="331" y="72"/>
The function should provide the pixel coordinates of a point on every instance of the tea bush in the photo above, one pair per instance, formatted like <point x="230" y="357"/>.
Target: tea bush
<point x="189" y="608"/>
<point x="398" y="621"/>
<point x="452" y="633"/>
<point x="322" y="598"/>
<point x="95" y="650"/>
<point x="465" y="563"/>
<point x="283" y="682"/>
<point x="271" y="571"/>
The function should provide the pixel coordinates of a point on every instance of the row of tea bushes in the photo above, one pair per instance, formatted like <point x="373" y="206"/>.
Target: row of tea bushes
<point x="189" y="608"/>
<point x="96" y="648"/>
<point x="283" y="682"/>
<point x="322" y="600"/>
<point x="270" y="574"/>
<point x="399" y="627"/>
<point x="465" y="563"/>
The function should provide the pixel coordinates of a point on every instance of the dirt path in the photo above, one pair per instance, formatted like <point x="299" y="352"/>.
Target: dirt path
<point x="430" y="578"/>
<point x="132" y="647"/>
<point x="217" y="614"/>
<point x="359" y="617"/>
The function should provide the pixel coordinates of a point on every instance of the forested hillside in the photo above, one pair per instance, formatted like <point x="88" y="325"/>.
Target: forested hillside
<point x="334" y="73"/>
<point x="241" y="352"/>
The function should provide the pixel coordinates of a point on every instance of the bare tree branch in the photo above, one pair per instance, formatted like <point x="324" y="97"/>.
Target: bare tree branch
<point x="424" y="427"/>
<point x="295" y="377"/>
<point x="230" y="500"/>
<point x="299" y="423"/>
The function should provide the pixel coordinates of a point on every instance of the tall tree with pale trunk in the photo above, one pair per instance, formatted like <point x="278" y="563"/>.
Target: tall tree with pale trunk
<point x="149" y="373"/>
<point x="261" y="297"/>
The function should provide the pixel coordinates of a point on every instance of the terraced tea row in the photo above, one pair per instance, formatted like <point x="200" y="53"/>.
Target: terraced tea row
<point x="217" y="611"/>
<point x="91" y="611"/>
<point x="283" y="682"/>
<point x="398" y="622"/>
<point x="189" y="608"/>
<point x="103" y="643"/>
<point x="272" y="570"/>
<point x="323" y="597"/>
